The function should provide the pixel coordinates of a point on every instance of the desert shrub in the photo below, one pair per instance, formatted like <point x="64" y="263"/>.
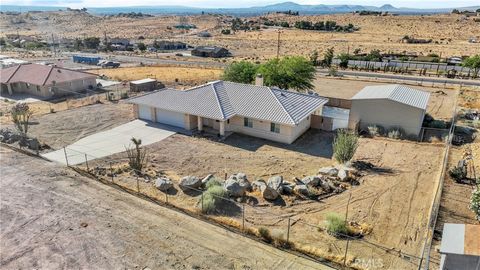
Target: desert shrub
<point x="475" y="202"/>
<point x="265" y="234"/>
<point x="457" y="173"/>
<point x="438" y="124"/>
<point x="375" y="130"/>
<point x="21" y="114"/>
<point x="345" y="145"/>
<point x="212" y="182"/>
<point x="212" y="198"/>
<point x="395" y="133"/>
<point x="280" y="241"/>
<point x="335" y="224"/>
<point x="137" y="156"/>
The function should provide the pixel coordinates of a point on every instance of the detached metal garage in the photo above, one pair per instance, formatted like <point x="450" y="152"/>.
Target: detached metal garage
<point x="390" y="106"/>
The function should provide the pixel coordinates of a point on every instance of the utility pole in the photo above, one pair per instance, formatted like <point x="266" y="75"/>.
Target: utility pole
<point x="53" y="45"/>
<point x="278" y="44"/>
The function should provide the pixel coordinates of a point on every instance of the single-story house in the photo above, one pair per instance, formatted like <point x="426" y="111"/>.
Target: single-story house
<point x="169" y="45"/>
<point x="390" y="106"/>
<point x="259" y="111"/>
<point x="460" y="248"/>
<point x="44" y="81"/>
<point x="210" y="51"/>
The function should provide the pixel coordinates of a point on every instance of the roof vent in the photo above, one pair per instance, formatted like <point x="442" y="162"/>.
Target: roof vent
<point x="283" y="95"/>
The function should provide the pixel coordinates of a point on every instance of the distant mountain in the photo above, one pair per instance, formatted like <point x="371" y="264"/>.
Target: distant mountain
<point x="256" y="10"/>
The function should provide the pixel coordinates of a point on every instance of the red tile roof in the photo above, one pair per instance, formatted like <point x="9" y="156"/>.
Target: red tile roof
<point x="41" y="74"/>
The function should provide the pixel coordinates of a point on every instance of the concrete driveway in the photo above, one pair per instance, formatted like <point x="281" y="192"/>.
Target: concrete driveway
<point x="110" y="142"/>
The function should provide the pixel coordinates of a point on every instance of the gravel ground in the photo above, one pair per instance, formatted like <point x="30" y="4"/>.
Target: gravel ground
<point x="52" y="218"/>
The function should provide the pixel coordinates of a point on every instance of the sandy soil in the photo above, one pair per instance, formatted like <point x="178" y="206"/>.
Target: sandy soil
<point x="450" y="33"/>
<point x="440" y="104"/>
<point x="170" y="76"/>
<point x="63" y="128"/>
<point x="395" y="203"/>
<point x="53" y="218"/>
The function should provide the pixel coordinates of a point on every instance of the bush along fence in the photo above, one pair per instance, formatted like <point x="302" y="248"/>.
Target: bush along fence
<point x="208" y="199"/>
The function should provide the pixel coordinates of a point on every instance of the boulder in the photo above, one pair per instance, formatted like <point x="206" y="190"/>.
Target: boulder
<point x="312" y="180"/>
<point x="189" y="183"/>
<point x="331" y="171"/>
<point x="326" y="185"/>
<point x="33" y="144"/>
<point x="301" y="190"/>
<point x="276" y="183"/>
<point x="234" y="188"/>
<point x="342" y="174"/>
<point x="259" y="185"/>
<point x="287" y="188"/>
<point x="163" y="184"/>
<point x="241" y="178"/>
<point x="269" y="193"/>
<point x="207" y="178"/>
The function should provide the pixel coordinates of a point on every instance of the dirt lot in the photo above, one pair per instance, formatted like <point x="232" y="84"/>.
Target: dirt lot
<point x="170" y="76"/>
<point x="449" y="33"/>
<point x="440" y="105"/>
<point x="395" y="202"/>
<point x="53" y="218"/>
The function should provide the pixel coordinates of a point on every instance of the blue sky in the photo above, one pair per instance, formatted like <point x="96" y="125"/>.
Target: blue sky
<point x="241" y="3"/>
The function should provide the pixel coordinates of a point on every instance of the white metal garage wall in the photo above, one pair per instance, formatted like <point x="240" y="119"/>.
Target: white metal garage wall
<point x="144" y="113"/>
<point x="170" y="118"/>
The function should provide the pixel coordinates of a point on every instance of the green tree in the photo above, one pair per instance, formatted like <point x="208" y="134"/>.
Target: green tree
<point x="21" y="114"/>
<point x="374" y="55"/>
<point x="293" y="72"/>
<point x="473" y="62"/>
<point x="142" y="47"/>
<point x="314" y="58"/>
<point x="241" y="72"/>
<point x="91" y="42"/>
<point x="328" y="57"/>
<point x="344" y="57"/>
<point x="78" y="44"/>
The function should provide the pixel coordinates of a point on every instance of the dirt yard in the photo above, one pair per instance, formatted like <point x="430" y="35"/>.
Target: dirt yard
<point x="170" y="76"/>
<point x="395" y="200"/>
<point x="440" y="104"/>
<point x="53" y="218"/>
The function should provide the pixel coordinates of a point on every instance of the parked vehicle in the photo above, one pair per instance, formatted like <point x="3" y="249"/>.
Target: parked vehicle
<point x="111" y="64"/>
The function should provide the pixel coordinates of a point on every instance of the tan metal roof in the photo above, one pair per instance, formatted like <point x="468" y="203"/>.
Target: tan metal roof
<point x="395" y="92"/>
<point x="222" y="100"/>
<point x="41" y="74"/>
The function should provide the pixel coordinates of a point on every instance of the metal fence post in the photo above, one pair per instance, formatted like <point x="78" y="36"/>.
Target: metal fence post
<point x="346" y="252"/>
<point x="86" y="161"/>
<point x="288" y="231"/>
<point x="166" y="197"/>
<point x="66" y="158"/>
<point x="243" y="217"/>
<point x="202" y="202"/>
<point x="111" y="171"/>
<point x="138" y="184"/>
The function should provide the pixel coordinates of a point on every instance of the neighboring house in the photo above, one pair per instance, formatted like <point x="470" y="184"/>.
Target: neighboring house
<point x="165" y="45"/>
<point x="390" y="106"/>
<point x="258" y="111"/>
<point x="460" y="247"/>
<point x="120" y="44"/>
<point x="210" y="51"/>
<point x="44" y="81"/>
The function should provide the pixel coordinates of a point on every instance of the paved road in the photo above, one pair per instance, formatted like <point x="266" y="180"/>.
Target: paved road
<point x="111" y="141"/>
<point x="424" y="80"/>
<point x="52" y="218"/>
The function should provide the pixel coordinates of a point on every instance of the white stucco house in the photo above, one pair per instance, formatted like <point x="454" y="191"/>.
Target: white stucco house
<point x="390" y="106"/>
<point x="259" y="111"/>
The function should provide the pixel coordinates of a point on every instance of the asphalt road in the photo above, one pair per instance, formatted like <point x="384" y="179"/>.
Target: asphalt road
<point x="53" y="218"/>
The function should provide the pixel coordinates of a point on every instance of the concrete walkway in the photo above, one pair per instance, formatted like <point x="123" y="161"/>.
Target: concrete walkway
<point x="112" y="141"/>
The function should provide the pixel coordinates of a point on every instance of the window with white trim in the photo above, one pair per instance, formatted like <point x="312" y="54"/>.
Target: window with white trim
<point x="274" y="128"/>
<point x="247" y="122"/>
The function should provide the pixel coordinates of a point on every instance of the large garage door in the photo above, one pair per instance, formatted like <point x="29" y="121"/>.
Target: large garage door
<point x="144" y="113"/>
<point x="170" y="118"/>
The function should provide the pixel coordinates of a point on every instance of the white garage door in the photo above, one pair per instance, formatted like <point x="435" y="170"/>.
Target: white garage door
<point x="144" y="112"/>
<point x="170" y="118"/>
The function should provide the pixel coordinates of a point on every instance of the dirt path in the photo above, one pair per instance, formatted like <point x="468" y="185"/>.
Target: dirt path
<point x="52" y="218"/>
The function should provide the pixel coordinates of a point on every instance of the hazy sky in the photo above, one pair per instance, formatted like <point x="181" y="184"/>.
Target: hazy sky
<point x="241" y="3"/>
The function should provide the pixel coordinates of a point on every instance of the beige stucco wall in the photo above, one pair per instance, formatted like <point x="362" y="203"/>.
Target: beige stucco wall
<point x="44" y="91"/>
<point x="261" y="129"/>
<point x="387" y="114"/>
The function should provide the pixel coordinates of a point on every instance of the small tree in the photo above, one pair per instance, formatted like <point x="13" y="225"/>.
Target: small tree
<point x="328" y="57"/>
<point x="475" y="202"/>
<point x="473" y="62"/>
<point x="136" y="156"/>
<point x="343" y="60"/>
<point x="293" y="72"/>
<point x="314" y="58"/>
<point x="345" y="145"/>
<point x="241" y="72"/>
<point x="142" y="47"/>
<point x="21" y="114"/>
